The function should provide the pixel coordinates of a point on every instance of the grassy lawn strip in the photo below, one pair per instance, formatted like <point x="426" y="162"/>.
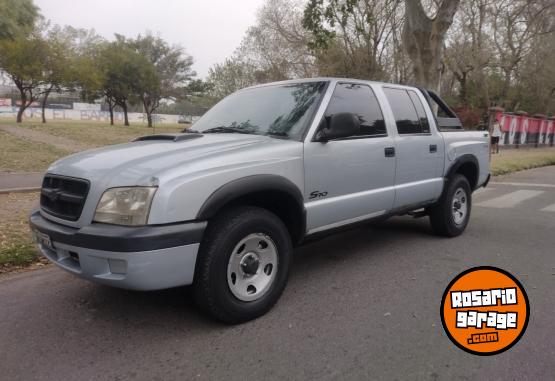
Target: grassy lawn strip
<point x="512" y="160"/>
<point x="20" y="155"/>
<point x="16" y="246"/>
<point x="94" y="134"/>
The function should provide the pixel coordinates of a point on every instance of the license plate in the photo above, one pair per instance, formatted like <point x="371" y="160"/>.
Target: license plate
<point x="43" y="239"/>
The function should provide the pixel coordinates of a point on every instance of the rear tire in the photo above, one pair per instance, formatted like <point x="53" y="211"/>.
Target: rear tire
<point x="243" y="264"/>
<point x="451" y="214"/>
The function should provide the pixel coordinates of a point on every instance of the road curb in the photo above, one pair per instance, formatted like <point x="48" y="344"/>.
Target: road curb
<point x="19" y="190"/>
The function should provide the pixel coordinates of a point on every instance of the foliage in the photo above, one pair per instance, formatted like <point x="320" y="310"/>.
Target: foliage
<point x="231" y="75"/>
<point x="352" y="37"/>
<point x="165" y="73"/>
<point x="494" y="52"/>
<point x="23" y="58"/>
<point x="17" y="18"/>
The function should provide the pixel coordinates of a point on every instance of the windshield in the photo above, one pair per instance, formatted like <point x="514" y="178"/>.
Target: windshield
<point x="282" y="111"/>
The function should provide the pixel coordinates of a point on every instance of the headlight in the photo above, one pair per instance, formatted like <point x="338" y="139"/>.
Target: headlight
<point x="125" y="206"/>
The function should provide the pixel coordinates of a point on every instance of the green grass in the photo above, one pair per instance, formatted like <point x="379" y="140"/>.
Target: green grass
<point x="21" y="155"/>
<point x="513" y="160"/>
<point x="17" y="255"/>
<point x="17" y="249"/>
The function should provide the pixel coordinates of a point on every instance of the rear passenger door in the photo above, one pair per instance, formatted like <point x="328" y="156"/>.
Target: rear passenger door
<point x="419" y="149"/>
<point x="350" y="179"/>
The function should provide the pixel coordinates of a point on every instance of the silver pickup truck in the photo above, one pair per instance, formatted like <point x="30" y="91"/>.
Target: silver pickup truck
<point x="221" y="205"/>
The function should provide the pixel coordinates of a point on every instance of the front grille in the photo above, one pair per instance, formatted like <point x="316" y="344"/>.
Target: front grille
<point x="63" y="197"/>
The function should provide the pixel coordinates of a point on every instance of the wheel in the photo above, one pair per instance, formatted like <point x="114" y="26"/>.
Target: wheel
<point x="450" y="215"/>
<point x="243" y="264"/>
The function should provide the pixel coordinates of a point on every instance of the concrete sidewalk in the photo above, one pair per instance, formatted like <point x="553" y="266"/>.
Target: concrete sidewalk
<point x="20" y="181"/>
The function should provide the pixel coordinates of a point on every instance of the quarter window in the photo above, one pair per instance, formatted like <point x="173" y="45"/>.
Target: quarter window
<point x="420" y="111"/>
<point x="361" y="101"/>
<point x="407" y="118"/>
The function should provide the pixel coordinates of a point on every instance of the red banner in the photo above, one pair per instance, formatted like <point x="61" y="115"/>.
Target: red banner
<point x="524" y="129"/>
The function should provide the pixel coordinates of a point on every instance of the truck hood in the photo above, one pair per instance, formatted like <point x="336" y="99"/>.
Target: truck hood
<point x="151" y="162"/>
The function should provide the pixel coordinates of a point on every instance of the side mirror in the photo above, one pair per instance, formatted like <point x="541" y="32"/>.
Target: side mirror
<point x="341" y="125"/>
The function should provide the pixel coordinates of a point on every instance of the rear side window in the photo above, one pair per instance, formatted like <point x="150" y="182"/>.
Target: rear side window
<point x="405" y="112"/>
<point x="361" y="101"/>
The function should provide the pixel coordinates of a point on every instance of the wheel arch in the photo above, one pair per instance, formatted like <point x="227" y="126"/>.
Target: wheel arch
<point x="272" y="192"/>
<point x="468" y="166"/>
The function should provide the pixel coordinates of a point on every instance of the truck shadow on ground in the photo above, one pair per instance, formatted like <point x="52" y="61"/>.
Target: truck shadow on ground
<point x="176" y="306"/>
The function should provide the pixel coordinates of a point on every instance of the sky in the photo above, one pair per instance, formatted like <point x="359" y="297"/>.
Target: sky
<point x="209" y="30"/>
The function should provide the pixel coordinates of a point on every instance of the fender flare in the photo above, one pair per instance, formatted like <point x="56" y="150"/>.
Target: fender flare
<point x="464" y="159"/>
<point x="245" y="185"/>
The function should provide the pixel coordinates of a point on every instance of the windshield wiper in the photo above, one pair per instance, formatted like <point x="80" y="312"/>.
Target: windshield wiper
<point x="224" y="129"/>
<point x="278" y="134"/>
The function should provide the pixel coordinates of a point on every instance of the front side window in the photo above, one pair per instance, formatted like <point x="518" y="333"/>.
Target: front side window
<point x="282" y="111"/>
<point x="361" y="101"/>
<point x="404" y="111"/>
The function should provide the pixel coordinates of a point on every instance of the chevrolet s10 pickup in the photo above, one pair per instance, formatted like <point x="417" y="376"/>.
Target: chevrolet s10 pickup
<point x="222" y="205"/>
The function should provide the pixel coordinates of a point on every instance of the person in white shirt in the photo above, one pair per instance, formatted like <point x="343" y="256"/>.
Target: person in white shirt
<point x="495" y="136"/>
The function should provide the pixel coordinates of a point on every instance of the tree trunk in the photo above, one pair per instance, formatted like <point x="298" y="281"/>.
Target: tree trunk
<point x="148" y="110"/>
<point x="20" y="114"/>
<point x="125" y="118"/>
<point x="506" y="86"/>
<point x="423" y="40"/>
<point x="22" y="106"/>
<point x="463" y="95"/>
<point x="111" y="109"/>
<point x="43" y="106"/>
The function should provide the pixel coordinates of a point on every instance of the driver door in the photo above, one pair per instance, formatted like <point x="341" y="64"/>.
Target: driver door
<point x="350" y="179"/>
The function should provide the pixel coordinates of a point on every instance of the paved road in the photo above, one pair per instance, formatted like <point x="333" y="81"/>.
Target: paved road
<point x="362" y="304"/>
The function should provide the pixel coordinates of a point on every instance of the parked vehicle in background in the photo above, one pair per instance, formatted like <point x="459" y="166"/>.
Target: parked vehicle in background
<point x="222" y="205"/>
<point x="184" y="119"/>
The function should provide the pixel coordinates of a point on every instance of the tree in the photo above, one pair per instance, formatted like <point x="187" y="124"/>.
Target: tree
<point x="23" y="59"/>
<point x="231" y="75"/>
<point x="277" y="44"/>
<point x="17" y="18"/>
<point x="90" y="71"/>
<point x="59" y="66"/>
<point x="535" y="80"/>
<point x="469" y="51"/>
<point x="423" y="38"/>
<point x="352" y="37"/>
<point x="172" y="72"/>
<point x="123" y="72"/>
<point x="516" y="24"/>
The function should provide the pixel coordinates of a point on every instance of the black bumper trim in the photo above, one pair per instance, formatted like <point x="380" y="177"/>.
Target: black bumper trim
<point x="487" y="181"/>
<point x="116" y="238"/>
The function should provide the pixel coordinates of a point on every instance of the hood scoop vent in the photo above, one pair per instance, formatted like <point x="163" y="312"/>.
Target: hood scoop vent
<point x="169" y="137"/>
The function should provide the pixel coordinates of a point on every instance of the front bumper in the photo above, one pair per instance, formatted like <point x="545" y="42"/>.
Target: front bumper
<point x="137" y="258"/>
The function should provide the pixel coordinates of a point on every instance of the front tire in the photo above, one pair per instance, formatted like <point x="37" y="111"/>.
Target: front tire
<point x="451" y="214"/>
<point x="243" y="264"/>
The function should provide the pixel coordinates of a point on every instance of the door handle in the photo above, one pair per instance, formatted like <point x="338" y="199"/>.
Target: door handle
<point x="433" y="148"/>
<point x="389" y="151"/>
